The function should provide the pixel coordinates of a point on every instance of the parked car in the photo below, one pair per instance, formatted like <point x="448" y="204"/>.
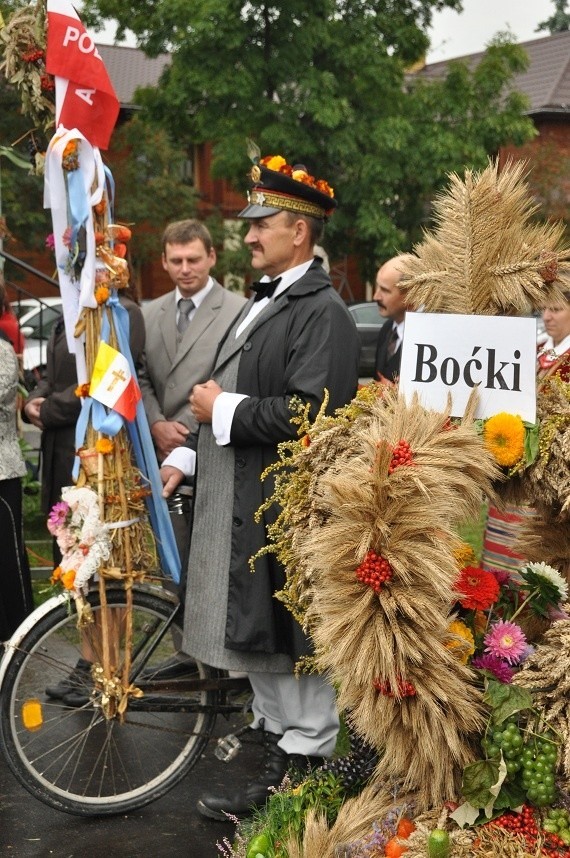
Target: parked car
<point x="36" y="316"/>
<point x="368" y="323"/>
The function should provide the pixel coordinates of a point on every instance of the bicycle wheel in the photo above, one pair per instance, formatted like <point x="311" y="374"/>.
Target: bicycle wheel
<point x="76" y="759"/>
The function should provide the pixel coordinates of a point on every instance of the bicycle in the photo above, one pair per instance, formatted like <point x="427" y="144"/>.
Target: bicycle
<point x="89" y="761"/>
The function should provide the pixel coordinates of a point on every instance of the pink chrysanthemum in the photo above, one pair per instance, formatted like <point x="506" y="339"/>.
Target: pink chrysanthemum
<point x="57" y="516"/>
<point x="499" y="668"/>
<point x="506" y="640"/>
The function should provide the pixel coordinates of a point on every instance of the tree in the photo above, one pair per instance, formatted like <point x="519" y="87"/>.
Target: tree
<point x="325" y="82"/>
<point x="150" y="186"/>
<point x="559" y="22"/>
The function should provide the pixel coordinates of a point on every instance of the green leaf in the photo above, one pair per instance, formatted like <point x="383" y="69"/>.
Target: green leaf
<point x="505" y="700"/>
<point x="511" y="796"/>
<point x="479" y="778"/>
<point x="531" y="437"/>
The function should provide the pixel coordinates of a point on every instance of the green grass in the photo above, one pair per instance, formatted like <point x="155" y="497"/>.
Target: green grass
<point x="474" y="531"/>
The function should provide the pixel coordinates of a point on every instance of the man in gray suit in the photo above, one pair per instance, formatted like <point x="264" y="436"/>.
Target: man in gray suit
<point x="183" y="329"/>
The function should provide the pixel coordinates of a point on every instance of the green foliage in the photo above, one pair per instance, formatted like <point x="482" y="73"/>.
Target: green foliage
<point x="150" y="186"/>
<point x="325" y="83"/>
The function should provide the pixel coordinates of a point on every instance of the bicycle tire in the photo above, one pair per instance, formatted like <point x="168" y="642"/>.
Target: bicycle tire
<point x="78" y="761"/>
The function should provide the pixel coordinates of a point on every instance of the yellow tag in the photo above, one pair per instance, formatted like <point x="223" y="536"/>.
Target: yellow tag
<point x="32" y="714"/>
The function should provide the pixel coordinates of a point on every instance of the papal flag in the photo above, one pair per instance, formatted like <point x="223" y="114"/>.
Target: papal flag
<point x="113" y="384"/>
<point x="84" y="95"/>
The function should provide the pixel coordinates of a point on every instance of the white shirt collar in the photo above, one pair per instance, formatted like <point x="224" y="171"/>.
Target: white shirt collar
<point x="287" y="278"/>
<point x="199" y="296"/>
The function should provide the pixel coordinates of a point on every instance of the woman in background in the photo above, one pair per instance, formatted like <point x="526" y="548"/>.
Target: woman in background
<point x="16" y="600"/>
<point x="503" y="526"/>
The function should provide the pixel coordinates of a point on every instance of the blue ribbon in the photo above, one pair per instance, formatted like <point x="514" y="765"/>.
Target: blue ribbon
<point x="78" y="202"/>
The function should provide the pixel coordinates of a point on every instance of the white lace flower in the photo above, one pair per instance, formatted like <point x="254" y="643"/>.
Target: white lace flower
<point x="552" y="575"/>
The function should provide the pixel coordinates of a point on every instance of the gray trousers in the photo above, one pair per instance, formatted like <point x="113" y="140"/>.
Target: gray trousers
<point x="303" y="711"/>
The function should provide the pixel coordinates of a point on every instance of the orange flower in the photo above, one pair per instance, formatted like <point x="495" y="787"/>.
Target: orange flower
<point x="104" y="446"/>
<point x="273" y="162"/>
<point x="56" y="575"/>
<point x="100" y="208"/>
<point x="99" y="238"/>
<point x="102" y="294"/>
<point x="68" y="579"/>
<point x="120" y="249"/>
<point x="305" y="441"/>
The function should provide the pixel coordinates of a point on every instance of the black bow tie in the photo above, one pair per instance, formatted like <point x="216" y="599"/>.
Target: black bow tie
<point x="265" y="288"/>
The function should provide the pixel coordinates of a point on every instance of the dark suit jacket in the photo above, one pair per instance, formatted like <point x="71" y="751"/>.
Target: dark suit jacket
<point x="387" y="367"/>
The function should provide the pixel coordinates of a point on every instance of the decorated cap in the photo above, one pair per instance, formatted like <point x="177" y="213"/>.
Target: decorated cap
<point x="279" y="187"/>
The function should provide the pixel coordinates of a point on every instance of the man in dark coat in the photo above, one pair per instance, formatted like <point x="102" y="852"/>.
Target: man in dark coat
<point x="294" y="339"/>
<point x="392" y="306"/>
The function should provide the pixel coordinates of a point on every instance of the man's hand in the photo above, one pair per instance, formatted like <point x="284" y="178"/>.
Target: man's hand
<point x="167" y="435"/>
<point x="202" y="400"/>
<point x="32" y="411"/>
<point x="171" y="478"/>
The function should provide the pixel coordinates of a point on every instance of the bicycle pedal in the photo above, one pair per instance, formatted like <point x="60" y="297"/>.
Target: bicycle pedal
<point x="227" y="747"/>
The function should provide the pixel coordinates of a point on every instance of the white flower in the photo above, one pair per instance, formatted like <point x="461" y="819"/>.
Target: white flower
<point x="551" y="574"/>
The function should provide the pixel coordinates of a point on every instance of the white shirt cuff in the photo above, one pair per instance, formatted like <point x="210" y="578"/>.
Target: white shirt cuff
<point x="225" y="405"/>
<point x="184" y="459"/>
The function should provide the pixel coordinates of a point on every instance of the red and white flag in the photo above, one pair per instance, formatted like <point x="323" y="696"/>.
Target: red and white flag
<point x="85" y="97"/>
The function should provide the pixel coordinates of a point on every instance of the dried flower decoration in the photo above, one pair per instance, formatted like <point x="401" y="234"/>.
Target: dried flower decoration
<point x="70" y="157"/>
<point x="102" y="294"/>
<point x="279" y="165"/>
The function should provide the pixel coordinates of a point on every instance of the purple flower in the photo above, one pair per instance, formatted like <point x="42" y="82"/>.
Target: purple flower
<point x="502" y="576"/>
<point x="497" y="666"/>
<point x="57" y="516"/>
<point x="505" y="640"/>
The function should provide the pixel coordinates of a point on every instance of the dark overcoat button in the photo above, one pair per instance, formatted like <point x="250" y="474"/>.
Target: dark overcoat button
<point x="246" y="346"/>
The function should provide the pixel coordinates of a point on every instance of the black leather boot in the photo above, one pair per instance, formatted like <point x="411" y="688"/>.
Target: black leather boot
<point x="242" y="802"/>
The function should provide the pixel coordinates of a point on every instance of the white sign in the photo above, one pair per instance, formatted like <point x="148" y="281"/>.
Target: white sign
<point x="446" y="353"/>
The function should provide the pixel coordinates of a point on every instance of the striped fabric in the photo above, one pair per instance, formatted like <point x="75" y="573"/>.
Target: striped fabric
<point x="501" y="533"/>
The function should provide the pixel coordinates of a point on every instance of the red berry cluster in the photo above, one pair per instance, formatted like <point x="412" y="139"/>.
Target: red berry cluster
<point x="401" y="455"/>
<point x="525" y="824"/>
<point x="405" y="688"/>
<point x="374" y="571"/>
<point x="33" y="55"/>
<point x="47" y="82"/>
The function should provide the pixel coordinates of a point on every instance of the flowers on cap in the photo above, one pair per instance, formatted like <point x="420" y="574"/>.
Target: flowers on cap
<point x="280" y="165"/>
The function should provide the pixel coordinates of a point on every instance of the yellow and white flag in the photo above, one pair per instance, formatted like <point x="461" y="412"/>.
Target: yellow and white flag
<point x="113" y="384"/>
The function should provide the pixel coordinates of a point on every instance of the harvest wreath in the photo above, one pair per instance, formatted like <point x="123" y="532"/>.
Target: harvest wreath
<point x="446" y="674"/>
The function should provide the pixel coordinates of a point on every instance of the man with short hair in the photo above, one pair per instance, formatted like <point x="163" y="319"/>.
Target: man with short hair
<point x="392" y="305"/>
<point x="293" y="340"/>
<point x="183" y="329"/>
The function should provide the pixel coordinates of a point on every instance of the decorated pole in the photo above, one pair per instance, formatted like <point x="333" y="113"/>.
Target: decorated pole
<point x="112" y="522"/>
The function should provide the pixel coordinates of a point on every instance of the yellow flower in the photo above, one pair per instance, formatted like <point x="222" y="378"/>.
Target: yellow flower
<point x="503" y="436"/>
<point x="464" y="647"/>
<point x="104" y="446"/>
